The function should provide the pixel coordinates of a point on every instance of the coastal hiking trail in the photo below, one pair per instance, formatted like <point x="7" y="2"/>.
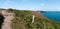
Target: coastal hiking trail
<point x="7" y="21"/>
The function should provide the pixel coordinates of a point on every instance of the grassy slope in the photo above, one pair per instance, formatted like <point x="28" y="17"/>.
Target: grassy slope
<point x="23" y="20"/>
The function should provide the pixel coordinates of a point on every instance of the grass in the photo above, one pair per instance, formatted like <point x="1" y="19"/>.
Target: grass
<point x="23" y="20"/>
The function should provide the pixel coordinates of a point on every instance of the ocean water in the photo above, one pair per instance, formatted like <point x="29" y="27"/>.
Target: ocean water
<point x="54" y="15"/>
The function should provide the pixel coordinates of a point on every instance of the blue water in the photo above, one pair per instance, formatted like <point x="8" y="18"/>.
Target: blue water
<point x="54" y="15"/>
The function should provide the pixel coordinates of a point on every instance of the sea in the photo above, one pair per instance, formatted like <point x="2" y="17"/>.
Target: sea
<point x="54" y="15"/>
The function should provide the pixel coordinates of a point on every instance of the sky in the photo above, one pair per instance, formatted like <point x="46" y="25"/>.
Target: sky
<point x="36" y="5"/>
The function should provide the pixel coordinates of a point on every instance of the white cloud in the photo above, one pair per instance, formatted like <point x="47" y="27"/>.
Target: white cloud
<point x="58" y="8"/>
<point x="42" y="4"/>
<point x="24" y="0"/>
<point x="7" y="2"/>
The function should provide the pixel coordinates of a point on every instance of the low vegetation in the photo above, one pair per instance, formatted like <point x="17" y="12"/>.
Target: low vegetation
<point x="1" y="20"/>
<point x="23" y="20"/>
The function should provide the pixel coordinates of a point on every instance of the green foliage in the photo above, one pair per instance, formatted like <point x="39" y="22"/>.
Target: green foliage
<point x="10" y="10"/>
<point x="23" y="20"/>
<point x="0" y="14"/>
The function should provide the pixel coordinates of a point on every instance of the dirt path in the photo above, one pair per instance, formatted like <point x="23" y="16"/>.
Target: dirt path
<point x="7" y="20"/>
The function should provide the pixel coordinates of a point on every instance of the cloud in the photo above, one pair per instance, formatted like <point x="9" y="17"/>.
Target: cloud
<point x="58" y="8"/>
<point x="24" y="0"/>
<point x="42" y="4"/>
<point x="7" y="2"/>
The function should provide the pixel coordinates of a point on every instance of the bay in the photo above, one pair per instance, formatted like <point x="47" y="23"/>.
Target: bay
<point x="54" y="15"/>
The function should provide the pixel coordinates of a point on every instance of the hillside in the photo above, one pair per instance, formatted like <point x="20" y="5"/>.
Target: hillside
<point x="23" y="20"/>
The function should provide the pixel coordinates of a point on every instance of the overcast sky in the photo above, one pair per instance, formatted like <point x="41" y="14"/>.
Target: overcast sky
<point x="46" y="5"/>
